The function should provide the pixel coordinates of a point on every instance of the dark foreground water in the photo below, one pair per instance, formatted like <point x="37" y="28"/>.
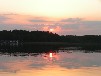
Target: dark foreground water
<point x="62" y="61"/>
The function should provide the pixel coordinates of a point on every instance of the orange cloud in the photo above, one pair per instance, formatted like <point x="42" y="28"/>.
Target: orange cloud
<point x="55" y="29"/>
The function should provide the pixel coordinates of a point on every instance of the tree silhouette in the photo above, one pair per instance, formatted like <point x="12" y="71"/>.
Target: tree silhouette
<point x="45" y="36"/>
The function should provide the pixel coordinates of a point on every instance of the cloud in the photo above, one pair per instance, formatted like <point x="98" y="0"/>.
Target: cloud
<point x="71" y="23"/>
<point x="55" y="28"/>
<point x="10" y="14"/>
<point x="92" y="23"/>
<point x="81" y="27"/>
<point x="71" y="20"/>
<point x="3" y="18"/>
<point x="73" y="26"/>
<point x="38" y="19"/>
<point x="12" y="18"/>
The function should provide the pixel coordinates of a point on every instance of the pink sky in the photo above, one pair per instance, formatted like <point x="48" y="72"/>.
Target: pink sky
<point x="60" y="16"/>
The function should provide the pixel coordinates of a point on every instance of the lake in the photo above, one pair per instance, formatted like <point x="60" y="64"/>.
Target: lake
<point x="61" y="61"/>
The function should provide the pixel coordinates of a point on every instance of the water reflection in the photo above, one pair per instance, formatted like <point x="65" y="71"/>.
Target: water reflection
<point x="68" y="61"/>
<point x="51" y="55"/>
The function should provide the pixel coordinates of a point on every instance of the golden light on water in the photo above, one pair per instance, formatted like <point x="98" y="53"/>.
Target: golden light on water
<point x="51" y="55"/>
<point x="51" y="64"/>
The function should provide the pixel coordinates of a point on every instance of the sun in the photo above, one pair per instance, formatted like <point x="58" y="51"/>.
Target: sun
<point x="51" y="30"/>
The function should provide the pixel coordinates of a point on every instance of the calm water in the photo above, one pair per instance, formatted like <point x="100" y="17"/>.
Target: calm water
<point x="52" y="63"/>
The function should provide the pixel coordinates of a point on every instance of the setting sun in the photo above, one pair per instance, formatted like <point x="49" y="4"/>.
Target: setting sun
<point x="63" y="17"/>
<point x="51" y="30"/>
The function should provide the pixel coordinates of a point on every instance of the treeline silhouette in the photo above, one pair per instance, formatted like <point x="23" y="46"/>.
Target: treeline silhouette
<point x="29" y="36"/>
<point x="46" y="36"/>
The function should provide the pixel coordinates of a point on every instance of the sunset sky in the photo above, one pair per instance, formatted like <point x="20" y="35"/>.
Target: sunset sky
<point x="75" y="17"/>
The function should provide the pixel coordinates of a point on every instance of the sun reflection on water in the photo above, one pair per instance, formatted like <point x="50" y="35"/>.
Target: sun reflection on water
<point x="51" y="64"/>
<point x="51" y="55"/>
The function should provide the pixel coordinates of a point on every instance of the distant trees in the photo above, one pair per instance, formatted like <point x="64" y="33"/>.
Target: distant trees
<point x="46" y="36"/>
<point x="29" y="36"/>
<point x="81" y="39"/>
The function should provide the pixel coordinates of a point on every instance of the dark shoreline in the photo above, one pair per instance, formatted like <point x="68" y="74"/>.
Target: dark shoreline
<point x="41" y="47"/>
<point x="60" y="43"/>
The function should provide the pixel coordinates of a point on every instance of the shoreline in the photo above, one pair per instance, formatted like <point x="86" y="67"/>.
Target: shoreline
<point x="60" y="43"/>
